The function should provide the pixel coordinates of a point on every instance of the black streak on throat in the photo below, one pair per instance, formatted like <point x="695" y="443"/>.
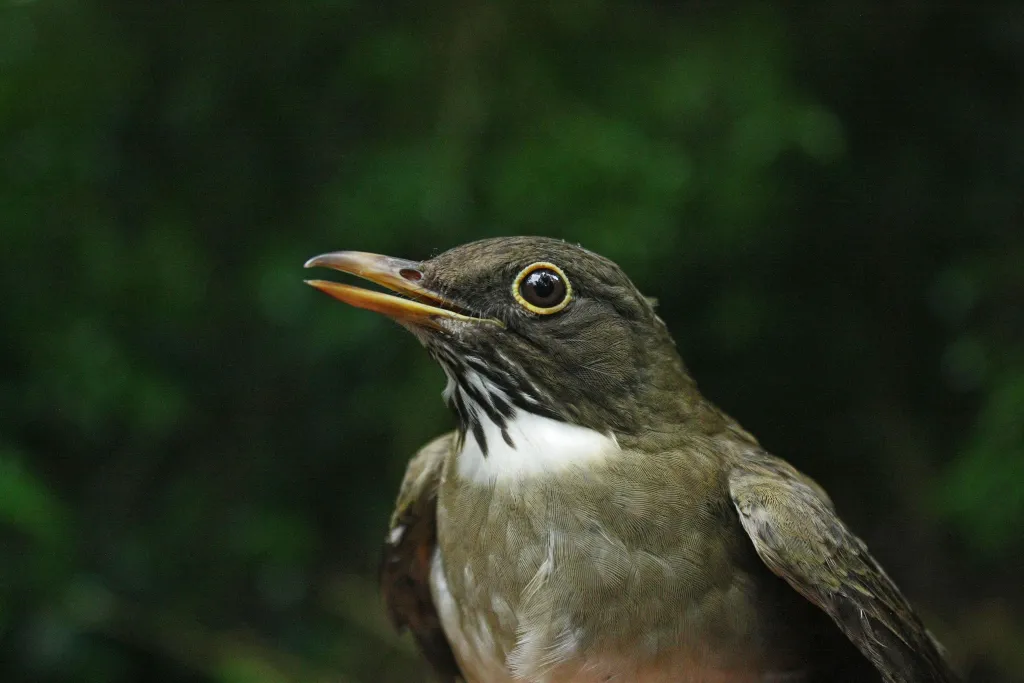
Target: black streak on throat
<point x="472" y="403"/>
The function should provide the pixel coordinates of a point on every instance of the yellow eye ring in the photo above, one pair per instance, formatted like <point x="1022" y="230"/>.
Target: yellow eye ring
<point x="547" y="291"/>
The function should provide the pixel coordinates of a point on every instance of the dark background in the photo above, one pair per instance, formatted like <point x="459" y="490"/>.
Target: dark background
<point x="198" y="453"/>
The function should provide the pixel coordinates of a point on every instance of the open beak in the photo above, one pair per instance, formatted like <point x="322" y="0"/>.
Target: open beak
<point x="418" y="306"/>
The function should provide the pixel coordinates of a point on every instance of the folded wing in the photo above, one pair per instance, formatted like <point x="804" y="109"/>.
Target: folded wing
<point x="408" y="549"/>
<point x="798" y="536"/>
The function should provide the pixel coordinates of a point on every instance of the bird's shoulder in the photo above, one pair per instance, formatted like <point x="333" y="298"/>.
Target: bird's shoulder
<point x="407" y="554"/>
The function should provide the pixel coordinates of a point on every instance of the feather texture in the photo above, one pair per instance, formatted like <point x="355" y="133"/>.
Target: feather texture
<point x="798" y="535"/>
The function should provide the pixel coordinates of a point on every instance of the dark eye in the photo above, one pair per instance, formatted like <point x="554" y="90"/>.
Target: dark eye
<point x="542" y="288"/>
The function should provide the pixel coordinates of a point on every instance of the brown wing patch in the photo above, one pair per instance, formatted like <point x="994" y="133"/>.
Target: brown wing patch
<point x="407" y="554"/>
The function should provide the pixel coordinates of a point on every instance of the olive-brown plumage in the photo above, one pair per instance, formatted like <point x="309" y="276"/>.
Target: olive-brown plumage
<point x="593" y="517"/>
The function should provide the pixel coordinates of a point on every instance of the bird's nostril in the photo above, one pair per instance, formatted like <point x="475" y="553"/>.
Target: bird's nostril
<point x="411" y="274"/>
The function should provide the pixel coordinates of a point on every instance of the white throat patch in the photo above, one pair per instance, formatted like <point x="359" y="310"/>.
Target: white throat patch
<point x="530" y="445"/>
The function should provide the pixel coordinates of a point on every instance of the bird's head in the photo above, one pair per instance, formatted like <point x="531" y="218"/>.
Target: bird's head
<point x="527" y="323"/>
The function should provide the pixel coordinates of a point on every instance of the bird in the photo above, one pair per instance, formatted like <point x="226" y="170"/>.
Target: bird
<point x="592" y="517"/>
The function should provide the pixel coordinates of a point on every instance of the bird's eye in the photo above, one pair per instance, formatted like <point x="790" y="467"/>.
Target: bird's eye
<point x="542" y="288"/>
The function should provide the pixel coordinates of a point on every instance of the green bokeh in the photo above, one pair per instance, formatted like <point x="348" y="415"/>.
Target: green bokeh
<point x="198" y="453"/>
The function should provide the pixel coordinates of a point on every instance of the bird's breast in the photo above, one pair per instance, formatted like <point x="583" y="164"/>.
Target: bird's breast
<point x="612" y="564"/>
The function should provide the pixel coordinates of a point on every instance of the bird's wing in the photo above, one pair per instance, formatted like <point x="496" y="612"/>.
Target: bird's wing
<point x="799" y="537"/>
<point x="408" y="549"/>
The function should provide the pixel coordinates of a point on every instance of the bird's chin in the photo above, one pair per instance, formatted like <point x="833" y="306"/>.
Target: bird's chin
<point x="449" y="337"/>
<point x="442" y="333"/>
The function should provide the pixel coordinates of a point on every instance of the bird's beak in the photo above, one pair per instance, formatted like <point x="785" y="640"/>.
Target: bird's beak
<point x="418" y="306"/>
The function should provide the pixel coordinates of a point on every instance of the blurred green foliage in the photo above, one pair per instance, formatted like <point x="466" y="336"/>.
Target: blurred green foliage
<point x="198" y="454"/>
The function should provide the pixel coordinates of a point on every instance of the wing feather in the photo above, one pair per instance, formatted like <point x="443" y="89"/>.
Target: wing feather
<point x="800" y="538"/>
<point x="406" y="557"/>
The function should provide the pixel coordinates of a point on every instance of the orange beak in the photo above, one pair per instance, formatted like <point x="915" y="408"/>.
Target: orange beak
<point x="418" y="306"/>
